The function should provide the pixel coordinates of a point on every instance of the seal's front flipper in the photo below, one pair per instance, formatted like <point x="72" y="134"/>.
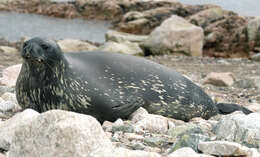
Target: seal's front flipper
<point x="225" y="108"/>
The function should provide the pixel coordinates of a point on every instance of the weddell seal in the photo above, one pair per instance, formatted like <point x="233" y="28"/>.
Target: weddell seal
<point x="107" y="85"/>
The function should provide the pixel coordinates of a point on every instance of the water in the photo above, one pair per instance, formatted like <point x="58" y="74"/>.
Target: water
<point x="242" y="7"/>
<point x="13" y="26"/>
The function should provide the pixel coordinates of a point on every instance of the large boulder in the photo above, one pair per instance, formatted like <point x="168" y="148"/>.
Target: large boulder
<point x="243" y="129"/>
<point x="61" y="133"/>
<point x="175" y="35"/>
<point x="9" y="127"/>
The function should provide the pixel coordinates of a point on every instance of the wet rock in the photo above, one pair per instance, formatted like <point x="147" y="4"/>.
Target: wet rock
<point x="122" y="152"/>
<point x="61" y="133"/>
<point x="120" y="37"/>
<point x="256" y="57"/>
<point x="224" y="148"/>
<point x="187" y="152"/>
<point x="253" y="27"/>
<point x="243" y="129"/>
<point x="124" y="47"/>
<point x="9" y="127"/>
<point x="10" y="75"/>
<point x="219" y="79"/>
<point x="175" y="35"/>
<point x="71" y="45"/>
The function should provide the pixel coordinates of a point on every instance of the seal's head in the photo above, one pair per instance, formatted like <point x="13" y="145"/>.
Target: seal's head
<point x="40" y="54"/>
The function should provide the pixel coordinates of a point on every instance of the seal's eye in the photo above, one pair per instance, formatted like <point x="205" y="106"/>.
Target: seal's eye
<point x="45" y="46"/>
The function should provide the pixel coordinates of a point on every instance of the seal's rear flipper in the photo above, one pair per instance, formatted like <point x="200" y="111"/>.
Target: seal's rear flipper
<point x="225" y="108"/>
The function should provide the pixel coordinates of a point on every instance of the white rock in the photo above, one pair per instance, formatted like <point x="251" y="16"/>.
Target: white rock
<point x="8" y="50"/>
<point x="219" y="79"/>
<point x="2" y="155"/>
<point x="187" y="152"/>
<point x="119" y="122"/>
<point x="175" y="34"/>
<point x="252" y="29"/>
<point x="9" y="97"/>
<point x="107" y="126"/>
<point x="223" y="148"/>
<point x="138" y="115"/>
<point x="10" y="75"/>
<point x="8" y="128"/>
<point x="122" y="152"/>
<point x="61" y="133"/>
<point x="152" y="123"/>
<point x="120" y="37"/>
<point x="123" y="47"/>
<point x="72" y="45"/>
<point x="6" y="106"/>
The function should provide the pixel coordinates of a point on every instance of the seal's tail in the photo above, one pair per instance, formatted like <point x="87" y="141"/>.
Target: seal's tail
<point x="225" y="108"/>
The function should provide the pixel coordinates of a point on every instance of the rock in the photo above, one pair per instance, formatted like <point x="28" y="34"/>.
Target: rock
<point x="243" y="129"/>
<point x="4" y="89"/>
<point x="71" y="45"/>
<point x="10" y="75"/>
<point x="219" y="79"/>
<point x="9" y="127"/>
<point x="138" y="115"/>
<point x="223" y="148"/>
<point x="256" y="57"/>
<point x="150" y="123"/>
<point x="159" y="142"/>
<point x="133" y="136"/>
<point x="124" y="47"/>
<point x="61" y="133"/>
<point x="120" y="37"/>
<point x="187" y="152"/>
<point x="245" y="84"/>
<point x="187" y="135"/>
<point x="8" y="50"/>
<point x="255" y="107"/>
<point x="122" y="152"/>
<point x="253" y="27"/>
<point x="9" y="97"/>
<point x="175" y="35"/>
<point x="2" y="155"/>
<point x="6" y="106"/>
<point x="256" y="80"/>
<point x="126" y="127"/>
<point x="9" y="103"/>
<point x="107" y="126"/>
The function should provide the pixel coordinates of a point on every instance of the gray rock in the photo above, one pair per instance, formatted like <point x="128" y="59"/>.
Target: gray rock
<point x="159" y="142"/>
<point x="245" y="84"/>
<point x="252" y="29"/>
<point x="189" y="140"/>
<point x="120" y="37"/>
<point x="175" y="34"/>
<point x="9" y="127"/>
<point x="61" y="133"/>
<point x="256" y="57"/>
<point x="187" y="152"/>
<point x="4" y="89"/>
<point x="126" y="127"/>
<point x="107" y="126"/>
<point x="6" y="106"/>
<point x="224" y="148"/>
<point x="123" y="47"/>
<point x="256" y="80"/>
<point x="243" y="129"/>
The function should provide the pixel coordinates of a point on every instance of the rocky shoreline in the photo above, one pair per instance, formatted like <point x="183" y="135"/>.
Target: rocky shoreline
<point x="142" y="27"/>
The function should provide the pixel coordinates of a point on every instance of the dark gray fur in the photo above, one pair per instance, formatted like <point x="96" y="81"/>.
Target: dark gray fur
<point x="105" y="85"/>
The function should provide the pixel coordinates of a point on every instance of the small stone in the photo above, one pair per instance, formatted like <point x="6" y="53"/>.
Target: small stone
<point x="119" y="122"/>
<point x="155" y="141"/>
<point x="256" y="57"/>
<point x="133" y="136"/>
<point x="6" y="106"/>
<point x="219" y="79"/>
<point x="120" y="37"/>
<point x="245" y="84"/>
<point x="107" y="126"/>
<point x="122" y="152"/>
<point x="127" y="127"/>
<point x="223" y="148"/>
<point x="255" y="107"/>
<point x="4" y="89"/>
<point x="9" y="97"/>
<point x="8" y="50"/>
<point x="138" y="115"/>
<point x="150" y="122"/>
<point x="10" y="75"/>
<point x="187" y="152"/>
